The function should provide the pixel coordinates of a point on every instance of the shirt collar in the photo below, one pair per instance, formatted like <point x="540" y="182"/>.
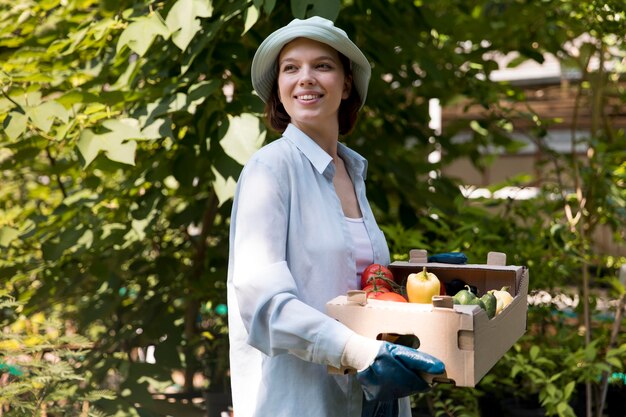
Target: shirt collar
<point x="319" y="158"/>
<point x="356" y="164"/>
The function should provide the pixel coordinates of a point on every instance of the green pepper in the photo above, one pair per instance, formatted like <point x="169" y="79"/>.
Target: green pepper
<point x="467" y="297"/>
<point x="464" y="297"/>
<point x="478" y="302"/>
<point x="490" y="302"/>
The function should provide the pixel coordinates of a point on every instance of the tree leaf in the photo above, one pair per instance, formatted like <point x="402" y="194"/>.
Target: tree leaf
<point x="140" y="34"/>
<point x="182" y="20"/>
<point x="126" y="128"/>
<point x="89" y="146"/>
<point x="26" y="97"/>
<point x="7" y="235"/>
<point x="534" y="352"/>
<point x="15" y="125"/>
<point x="299" y="7"/>
<point x="160" y="128"/>
<point x="307" y="8"/>
<point x="515" y="370"/>
<point x="123" y="152"/>
<point x="564" y="409"/>
<point x="569" y="389"/>
<point x="251" y="16"/>
<point x="224" y="187"/>
<point x="76" y="96"/>
<point x="200" y="91"/>
<point x="53" y="249"/>
<point x="116" y="144"/>
<point x="616" y="362"/>
<point x="268" y="6"/>
<point x="44" y="114"/>
<point x="243" y="137"/>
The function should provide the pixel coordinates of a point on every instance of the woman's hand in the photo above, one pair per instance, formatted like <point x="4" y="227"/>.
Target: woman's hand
<point x="398" y="371"/>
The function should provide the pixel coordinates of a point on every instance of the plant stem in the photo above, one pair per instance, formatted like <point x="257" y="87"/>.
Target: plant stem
<point x="587" y="321"/>
<point x="604" y="384"/>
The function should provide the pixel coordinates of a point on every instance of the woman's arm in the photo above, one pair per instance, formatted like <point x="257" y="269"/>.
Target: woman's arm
<point x="276" y="320"/>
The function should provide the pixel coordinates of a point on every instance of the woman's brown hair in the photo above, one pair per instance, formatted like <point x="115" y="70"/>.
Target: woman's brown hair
<point x="278" y="118"/>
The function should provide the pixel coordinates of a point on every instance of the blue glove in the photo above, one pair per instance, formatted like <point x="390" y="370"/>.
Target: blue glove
<point x="449" y="258"/>
<point x="396" y="371"/>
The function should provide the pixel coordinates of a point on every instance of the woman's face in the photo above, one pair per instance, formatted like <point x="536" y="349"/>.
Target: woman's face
<point x="311" y="82"/>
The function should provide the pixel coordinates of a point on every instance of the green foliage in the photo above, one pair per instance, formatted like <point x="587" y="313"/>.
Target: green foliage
<point x="120" y="156"/>
<point x="40" y="366"/>
<point x="551" y="363"/>
<point x="447" y="400"/>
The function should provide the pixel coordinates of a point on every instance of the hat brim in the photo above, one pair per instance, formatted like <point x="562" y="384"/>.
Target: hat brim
<point x="264" y="67"/>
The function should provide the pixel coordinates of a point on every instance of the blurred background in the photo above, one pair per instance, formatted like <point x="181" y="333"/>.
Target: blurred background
<point x="490" y="125"/>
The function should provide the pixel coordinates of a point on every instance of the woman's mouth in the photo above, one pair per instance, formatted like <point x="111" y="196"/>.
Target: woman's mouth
<point x="308" y="97"/>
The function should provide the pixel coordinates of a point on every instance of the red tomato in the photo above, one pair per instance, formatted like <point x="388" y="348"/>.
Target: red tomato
<point x="376" y="273"/>
<point x="374" y="290"/>
<point x="390" y="296"/>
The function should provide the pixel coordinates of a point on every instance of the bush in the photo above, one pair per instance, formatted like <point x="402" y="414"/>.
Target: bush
<point x="40" y="367"/>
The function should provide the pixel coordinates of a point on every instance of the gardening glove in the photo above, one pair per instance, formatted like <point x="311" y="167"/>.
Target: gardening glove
<point x="360" y="352"/>
<point x="397" y="371"/>
<point x="449" y="258"/>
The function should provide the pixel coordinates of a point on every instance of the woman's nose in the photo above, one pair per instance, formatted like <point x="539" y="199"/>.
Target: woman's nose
<point x="306" y="77"/>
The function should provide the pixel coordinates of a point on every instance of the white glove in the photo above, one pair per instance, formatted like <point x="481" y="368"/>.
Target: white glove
<point x="360" y="352"/>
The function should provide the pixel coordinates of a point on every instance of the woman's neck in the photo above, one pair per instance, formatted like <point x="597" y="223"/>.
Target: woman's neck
<point x="326" y="137"/>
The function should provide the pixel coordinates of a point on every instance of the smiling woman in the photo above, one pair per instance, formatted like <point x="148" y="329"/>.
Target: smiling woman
<point x="301" y="227"/>
<point x="312" y="83"/>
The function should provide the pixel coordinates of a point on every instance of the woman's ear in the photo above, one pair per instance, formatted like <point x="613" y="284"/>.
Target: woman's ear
<point x="347" y="87"/>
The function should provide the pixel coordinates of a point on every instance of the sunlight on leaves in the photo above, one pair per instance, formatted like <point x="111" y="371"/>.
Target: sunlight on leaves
<point x="243" y="138"/>
<point x="140" y="34"/>
<point x="252" y="15"/>
<point x="7" y="235"/>
<point x="44" y="114"/>
<point x="182" y="20"/>
<point x="15" y="125"/>
<point x="224" y="187"/>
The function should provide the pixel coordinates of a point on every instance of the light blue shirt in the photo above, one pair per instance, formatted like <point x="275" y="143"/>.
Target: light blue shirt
<point x="290" y="252"/>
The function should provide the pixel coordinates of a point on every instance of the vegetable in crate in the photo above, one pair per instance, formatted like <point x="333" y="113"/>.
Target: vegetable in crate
<point x="503" y="297"/>
<point x="391" y="296"/>
<point x="456" y="285"/>
<point x="466" y="297"/>
<point x="490" y="302"/>
<point x="373" y="290"/>
<point x="379" y="292"/>
<point x="421" y="286"/>
<point x="377" y="274"/>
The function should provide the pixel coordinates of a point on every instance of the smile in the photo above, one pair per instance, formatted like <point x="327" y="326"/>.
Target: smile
<point x="308" y="97"/>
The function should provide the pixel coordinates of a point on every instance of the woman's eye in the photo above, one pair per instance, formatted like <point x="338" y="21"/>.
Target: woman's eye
<point x="289" y="67"/>
<point x="324" y="66"/>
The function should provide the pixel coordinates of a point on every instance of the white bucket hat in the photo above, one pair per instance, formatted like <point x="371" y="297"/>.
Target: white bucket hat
<point x="264" y="70"/>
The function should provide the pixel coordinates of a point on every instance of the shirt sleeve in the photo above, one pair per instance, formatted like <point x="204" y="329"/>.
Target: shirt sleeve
<point x="276" y="320"/>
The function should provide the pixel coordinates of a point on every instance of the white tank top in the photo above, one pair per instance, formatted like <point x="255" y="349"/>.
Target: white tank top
<point x="363" y="253"/>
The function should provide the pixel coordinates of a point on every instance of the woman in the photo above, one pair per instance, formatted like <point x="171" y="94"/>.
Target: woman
<point x="301" y="232"/>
